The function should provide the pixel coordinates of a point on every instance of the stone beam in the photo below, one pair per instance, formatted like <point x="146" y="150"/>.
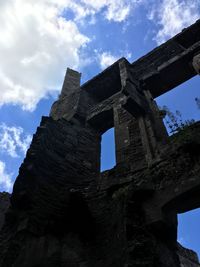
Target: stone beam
<point x="164" y="68"/>
<point x="173" y="72"/>
<point x="105" y="84"/>
<point x="170" y="64"/>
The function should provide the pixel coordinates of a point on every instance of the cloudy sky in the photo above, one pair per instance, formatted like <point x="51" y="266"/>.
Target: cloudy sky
<point x="41" y="38"/>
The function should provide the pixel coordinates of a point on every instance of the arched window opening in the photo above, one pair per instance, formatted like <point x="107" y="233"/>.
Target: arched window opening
<point x="108" y="158"/>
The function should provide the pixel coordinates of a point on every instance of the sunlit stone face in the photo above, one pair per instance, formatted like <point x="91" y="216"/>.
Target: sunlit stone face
<point x="196" y="63"/>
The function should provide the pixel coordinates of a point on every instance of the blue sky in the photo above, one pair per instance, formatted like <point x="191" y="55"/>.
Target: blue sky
<point x="41" y="38"/>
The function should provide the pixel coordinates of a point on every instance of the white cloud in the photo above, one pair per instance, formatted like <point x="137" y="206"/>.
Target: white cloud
<point x="174" y="15"/>
<point x="106" y="59"/>
<point x="37" y="43"/>
<point x="5" y="178"/>
<point x="116" y="10"/>
<point x="13" y="140"/>
<point x="36" y="46"/>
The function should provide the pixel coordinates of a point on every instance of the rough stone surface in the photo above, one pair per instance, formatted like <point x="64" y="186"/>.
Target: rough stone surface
<point x="187" y="257"/>
<point x="4" y="205"/>
<point x="65" y="213"/>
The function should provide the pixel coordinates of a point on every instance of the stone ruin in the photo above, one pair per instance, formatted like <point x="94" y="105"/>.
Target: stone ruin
<point x="65" y="212"/>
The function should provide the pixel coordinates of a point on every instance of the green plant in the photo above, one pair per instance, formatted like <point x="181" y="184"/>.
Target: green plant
<point x="174" y="121"/>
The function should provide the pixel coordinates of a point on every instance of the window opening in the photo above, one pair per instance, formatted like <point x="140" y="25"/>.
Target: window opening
<point x="108" y="157"/>
<point x="183" y="102"/>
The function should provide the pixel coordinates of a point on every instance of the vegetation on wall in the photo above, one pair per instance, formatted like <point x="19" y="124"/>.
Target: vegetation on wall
<point x="174" y="121"/>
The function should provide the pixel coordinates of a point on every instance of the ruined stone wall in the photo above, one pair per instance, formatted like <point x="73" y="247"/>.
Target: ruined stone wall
<point x="65" y="212"/>
<point x="188" y="258"/>
<point x="68" y="214"/>
<point x="4" y="205"/>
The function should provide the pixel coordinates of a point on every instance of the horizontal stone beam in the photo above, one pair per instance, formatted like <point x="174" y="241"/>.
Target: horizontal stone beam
<point x="159" y="71"/>
<point x="171" y="73"/>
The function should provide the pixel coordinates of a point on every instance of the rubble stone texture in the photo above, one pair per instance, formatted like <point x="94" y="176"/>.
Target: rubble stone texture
<point x="65" y="213"/>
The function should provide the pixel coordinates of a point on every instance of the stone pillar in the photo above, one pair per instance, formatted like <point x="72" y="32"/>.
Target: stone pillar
<point x="122" y="139"/>
<point x="71" y="82"/>
<point x="67" y="104"/>
<point x="143" y="108"/>
<point x="129" y="147"/>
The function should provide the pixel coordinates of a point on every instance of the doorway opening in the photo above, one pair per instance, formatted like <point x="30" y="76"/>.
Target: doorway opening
<point x="108" y="157"/>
